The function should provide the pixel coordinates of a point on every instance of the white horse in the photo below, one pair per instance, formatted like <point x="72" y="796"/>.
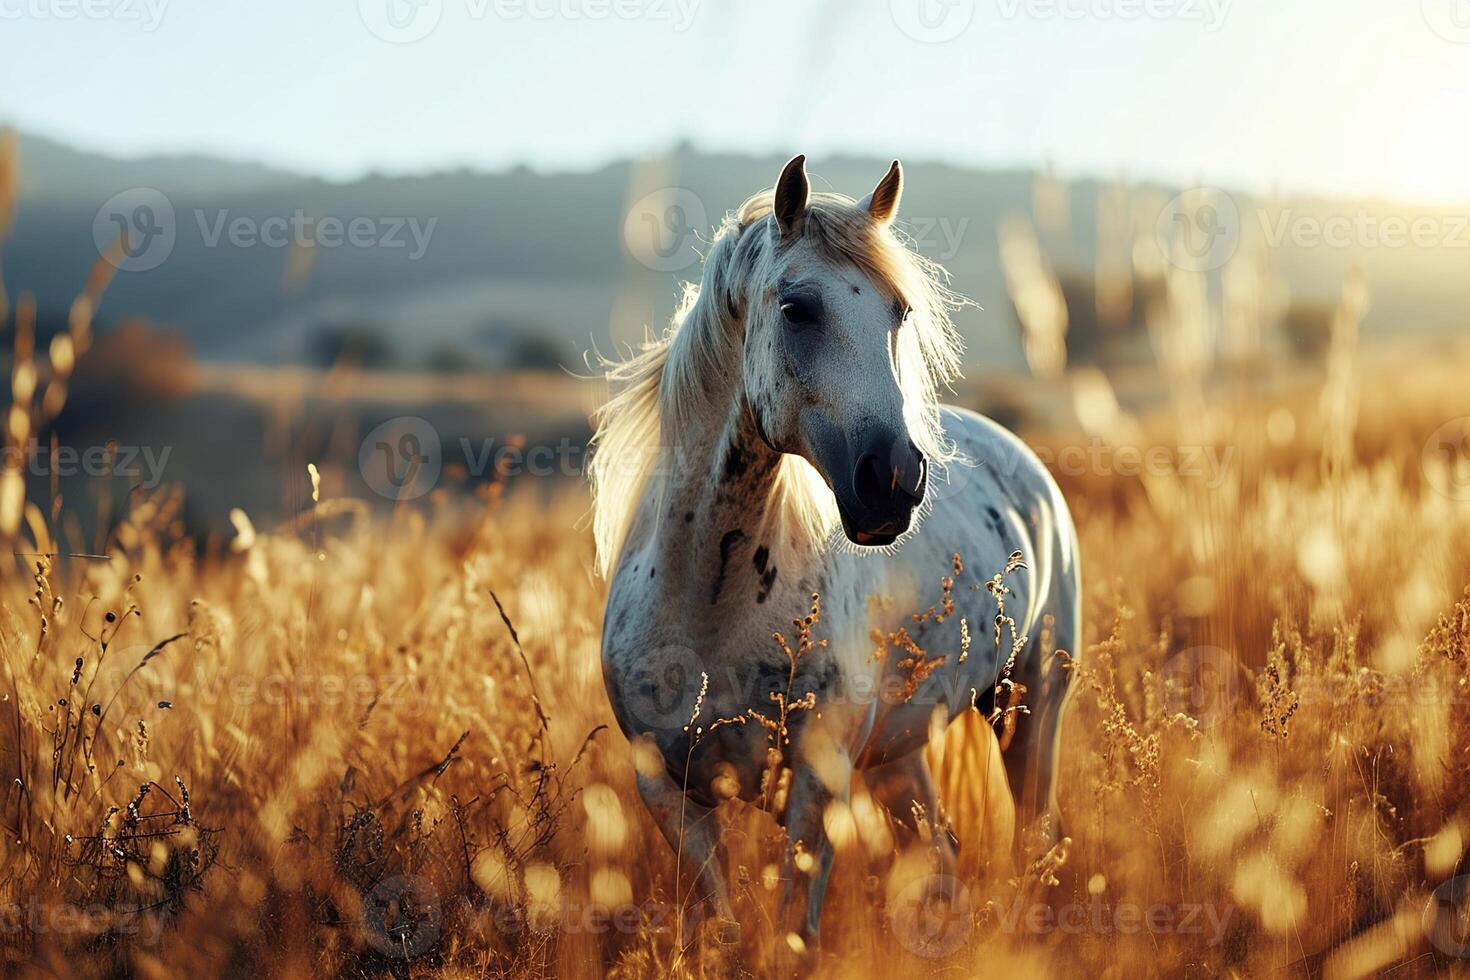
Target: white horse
<point x="795" y="393"/>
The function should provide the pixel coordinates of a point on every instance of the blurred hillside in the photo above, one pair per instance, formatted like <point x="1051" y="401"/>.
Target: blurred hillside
<point x="232" y="366"/>
<point x="524" y="269"/>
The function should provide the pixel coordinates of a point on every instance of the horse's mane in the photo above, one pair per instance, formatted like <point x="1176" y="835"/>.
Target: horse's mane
<point x="657" y="390"/>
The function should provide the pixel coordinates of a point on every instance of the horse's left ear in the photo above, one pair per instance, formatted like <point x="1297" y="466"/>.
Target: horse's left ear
<point x="793" y="193"/>
<point x="882" y="204"/>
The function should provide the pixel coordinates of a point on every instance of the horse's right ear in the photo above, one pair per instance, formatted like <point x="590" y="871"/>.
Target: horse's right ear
<point x="793" y="191"/>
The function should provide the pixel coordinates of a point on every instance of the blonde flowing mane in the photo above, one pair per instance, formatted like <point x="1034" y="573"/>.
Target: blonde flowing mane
<point x="656" y="391"/>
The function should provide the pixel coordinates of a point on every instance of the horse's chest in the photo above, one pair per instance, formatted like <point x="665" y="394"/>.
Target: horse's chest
<point x="661" y="673"/>
<point x="711" y="690"/>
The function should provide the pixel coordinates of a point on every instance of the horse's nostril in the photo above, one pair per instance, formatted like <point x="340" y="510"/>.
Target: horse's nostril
<point x="881" y="483"/>
<point x="915" y="485"/>
<point x="869" y="482"/>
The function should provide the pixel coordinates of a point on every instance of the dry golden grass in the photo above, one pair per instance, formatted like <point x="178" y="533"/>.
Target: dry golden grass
<point x="1267" y="752"/>
<point x="359" y="745"/>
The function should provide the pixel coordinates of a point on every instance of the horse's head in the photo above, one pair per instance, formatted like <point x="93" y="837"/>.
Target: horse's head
<point x="823" y="361"/>
<point x="831" y="331"/>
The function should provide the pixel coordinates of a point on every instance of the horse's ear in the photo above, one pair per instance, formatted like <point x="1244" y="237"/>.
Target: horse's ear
<point x="882" y="204"/>
<point x="793" y="191"/>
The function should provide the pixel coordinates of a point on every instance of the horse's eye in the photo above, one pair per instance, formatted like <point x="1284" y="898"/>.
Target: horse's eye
<point x="801" y="313"/>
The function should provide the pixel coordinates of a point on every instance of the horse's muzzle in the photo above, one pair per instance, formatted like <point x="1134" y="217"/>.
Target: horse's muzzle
<point x="887" y="486"/>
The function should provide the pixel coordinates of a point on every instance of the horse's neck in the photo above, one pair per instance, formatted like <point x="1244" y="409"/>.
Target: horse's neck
<point x="714" y="545"/>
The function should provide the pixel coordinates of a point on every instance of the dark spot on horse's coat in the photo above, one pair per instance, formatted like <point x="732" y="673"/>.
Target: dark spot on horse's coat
<point x="857" y="290"/>
<point x="767" y="575"/>
<point x="767" y="580"/>
<point x="651" y="570"/>
<point x="688" y="516"/>
<point x="996" y="525"/>
<point x="727" y="543"/>
<point x="735" y="463"/>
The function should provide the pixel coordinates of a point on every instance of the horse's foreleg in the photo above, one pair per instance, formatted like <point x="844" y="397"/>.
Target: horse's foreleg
<point x="906" y="789"/>
<point x="815" y="784"/>
<point x="693" y="831"/>
<point x="1032" y="757"/>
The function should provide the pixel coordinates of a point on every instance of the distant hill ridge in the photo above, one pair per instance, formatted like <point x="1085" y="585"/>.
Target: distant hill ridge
<point x="520" y="260"/>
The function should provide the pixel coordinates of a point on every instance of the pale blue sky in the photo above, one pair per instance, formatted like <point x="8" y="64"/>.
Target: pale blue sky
<point x="1355" y="96"/>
